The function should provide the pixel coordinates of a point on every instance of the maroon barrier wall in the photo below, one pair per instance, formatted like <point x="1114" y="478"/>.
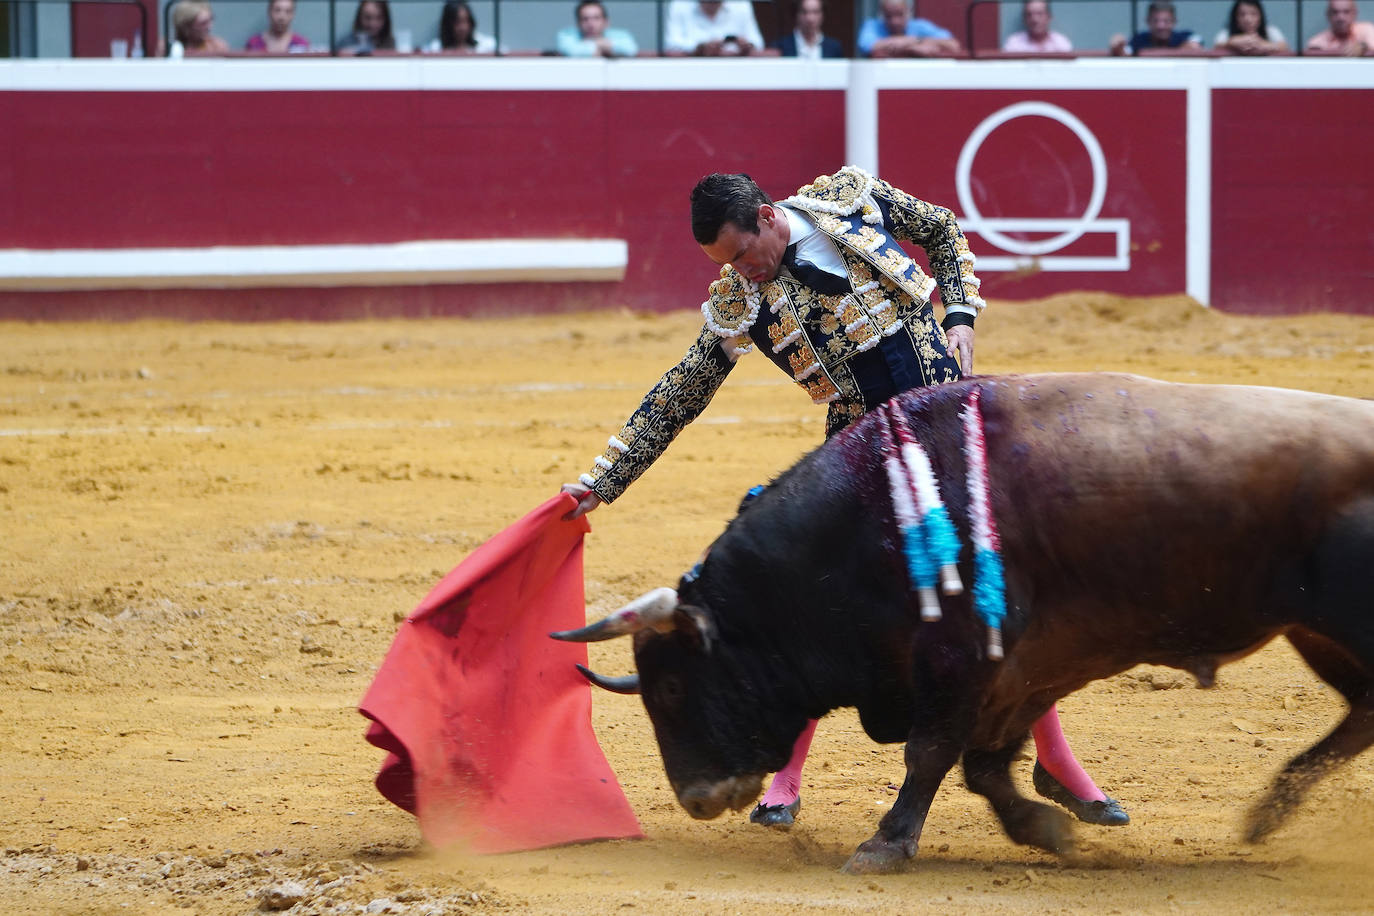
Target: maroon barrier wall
<point x="167" y="169"/>
<point x="1213" y="182"/>
<point x="1034" y="167"/>
<point x="1293" y="200"/>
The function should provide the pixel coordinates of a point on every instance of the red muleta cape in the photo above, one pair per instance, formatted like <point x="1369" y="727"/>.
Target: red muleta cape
<point x="486" y="720"/>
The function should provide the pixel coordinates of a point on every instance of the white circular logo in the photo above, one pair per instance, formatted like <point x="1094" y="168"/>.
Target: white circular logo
<point x="964" y="189"/>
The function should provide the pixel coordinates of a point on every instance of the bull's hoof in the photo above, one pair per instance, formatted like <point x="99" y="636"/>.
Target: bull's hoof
<point x="1264" y="819"/>
<point x="1258" y="826"/>
<point x="780" y="816"/>
<point x="879" y="857"/>
<point x="1107" y="813"/>
<point x="1031" y="823"/>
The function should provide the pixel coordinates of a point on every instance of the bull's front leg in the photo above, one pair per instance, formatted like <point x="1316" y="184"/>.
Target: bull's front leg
<point x="1027" y="822"/>
<point x="927" y="761"/>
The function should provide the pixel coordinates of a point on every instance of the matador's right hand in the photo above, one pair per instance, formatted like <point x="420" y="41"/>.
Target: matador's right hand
<point x="587" y="500"/>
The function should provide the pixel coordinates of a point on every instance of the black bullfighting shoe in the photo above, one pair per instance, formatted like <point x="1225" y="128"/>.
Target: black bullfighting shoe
<point x="780" y="816"/>
<point x="1107" y="813"/>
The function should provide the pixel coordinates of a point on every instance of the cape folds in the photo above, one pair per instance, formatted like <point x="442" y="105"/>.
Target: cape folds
<point x="485" y="719"/>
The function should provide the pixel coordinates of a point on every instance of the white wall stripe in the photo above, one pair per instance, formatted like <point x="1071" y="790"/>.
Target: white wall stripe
<point x="1198" y="194"/>
<point x="861" y="119"/>
<point x="403" y="263"/>
<point x="448" y="74"/>
<point x="416" y="73"/>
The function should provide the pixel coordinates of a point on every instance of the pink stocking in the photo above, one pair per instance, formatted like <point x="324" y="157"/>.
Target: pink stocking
<point x="1053" y="752"/>
<point x="786" y="786"/>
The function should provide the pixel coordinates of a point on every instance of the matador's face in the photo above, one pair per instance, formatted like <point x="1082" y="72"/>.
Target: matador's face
<point x="756" y="255"/>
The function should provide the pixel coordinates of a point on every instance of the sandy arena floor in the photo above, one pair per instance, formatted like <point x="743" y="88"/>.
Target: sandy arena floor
<point x="210" y="532"/>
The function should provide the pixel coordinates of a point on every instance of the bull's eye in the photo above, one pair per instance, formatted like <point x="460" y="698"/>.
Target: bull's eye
<point x="670" y="691"/>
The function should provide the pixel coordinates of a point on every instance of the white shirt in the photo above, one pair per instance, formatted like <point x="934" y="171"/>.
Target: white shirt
<point x="485" y="45"/>
<point x="806" y="51"/>
<point x="1022" y="43"/>
<point x="688" y="26"/>
<point x="813" y="246"/>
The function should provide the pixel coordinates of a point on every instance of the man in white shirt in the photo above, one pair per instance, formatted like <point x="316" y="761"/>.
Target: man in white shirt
<point x="712" y="28"/>
<point x="1037" y="38"/>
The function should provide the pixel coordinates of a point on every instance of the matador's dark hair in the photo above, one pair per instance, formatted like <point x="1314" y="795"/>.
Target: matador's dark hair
<point x="719" y="199"/>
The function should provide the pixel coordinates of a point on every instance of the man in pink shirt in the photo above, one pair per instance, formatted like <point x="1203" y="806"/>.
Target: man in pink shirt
<point x="1346" y="36"/>
<point x="1037" y="38"/>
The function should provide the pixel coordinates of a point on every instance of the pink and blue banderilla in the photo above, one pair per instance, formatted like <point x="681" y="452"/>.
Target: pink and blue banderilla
<point x="930" y="543"/>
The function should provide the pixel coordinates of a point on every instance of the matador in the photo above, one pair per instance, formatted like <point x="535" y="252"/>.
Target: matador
<point x="819" y="284"/>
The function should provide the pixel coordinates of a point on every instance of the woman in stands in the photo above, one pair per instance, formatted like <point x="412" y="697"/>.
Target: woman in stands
<point x="458" y="32"/>
<point x="192" y="22"/>
<point x="1249" y="33"/>
<point x="371" y="30"/>
<point x="279" y="39"/>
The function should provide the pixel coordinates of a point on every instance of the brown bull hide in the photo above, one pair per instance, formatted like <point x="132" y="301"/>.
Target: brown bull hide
<point x="1141" y="522"/>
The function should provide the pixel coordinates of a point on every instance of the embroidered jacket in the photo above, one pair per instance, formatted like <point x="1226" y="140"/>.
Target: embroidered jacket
<point x="809" y="335"/>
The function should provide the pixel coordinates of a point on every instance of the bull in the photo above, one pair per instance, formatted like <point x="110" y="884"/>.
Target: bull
<point x="1141" y="522"/>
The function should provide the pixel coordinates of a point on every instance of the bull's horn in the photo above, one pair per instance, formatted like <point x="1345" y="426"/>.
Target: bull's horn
<point x="654" y="611"/>
<point x="629" y="684"/>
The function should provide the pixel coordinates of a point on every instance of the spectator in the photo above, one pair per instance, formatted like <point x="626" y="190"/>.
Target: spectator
<point x="807" y="40"/>
<point x="1037" y="38"/>
<point x="1249" y="33"/>
<point x="593" y="36"/>
<point x="1346" y="36"/>
<point x="279" y="39"/>
<point x="192" y="22"/>
<point x="1161" y="33"/>
<point x="712" y="28"/>
<point x="895" y="32"/>
<point x="458" y="32"/>
<point x="371" y="30"/>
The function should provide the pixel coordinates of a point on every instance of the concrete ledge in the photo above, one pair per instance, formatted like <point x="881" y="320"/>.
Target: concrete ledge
<point x="399" y="264"/>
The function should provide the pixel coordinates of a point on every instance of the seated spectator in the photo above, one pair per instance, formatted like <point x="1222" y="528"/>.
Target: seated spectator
<point x="711" y="28"/>
<point x="1161" y="33"/>
<point x="1249" y="33"/>
<point x="458" y="32"/>
<point x="371" y="30"/>
<point x="895" y="32"/>
<point x="1037" y="38"/>
<point x="1346" y="36"/>
<point x="278" y="39"/>
<point x="593" y="35"/>
<point x="192" y="22"/>
<point x="807" y="40"/>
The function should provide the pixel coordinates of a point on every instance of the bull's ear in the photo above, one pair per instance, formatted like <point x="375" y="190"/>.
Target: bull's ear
<point x="695" y="623"/>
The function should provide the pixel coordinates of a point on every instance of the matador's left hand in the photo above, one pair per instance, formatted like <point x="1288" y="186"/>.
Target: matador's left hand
<point x="960" y="338"/>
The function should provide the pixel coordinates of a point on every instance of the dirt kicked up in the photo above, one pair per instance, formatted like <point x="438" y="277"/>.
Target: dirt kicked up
<point x="210" y="532"/>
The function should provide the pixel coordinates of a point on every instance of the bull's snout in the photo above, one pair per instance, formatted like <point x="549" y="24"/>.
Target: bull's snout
<point x="704" y="801"/>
